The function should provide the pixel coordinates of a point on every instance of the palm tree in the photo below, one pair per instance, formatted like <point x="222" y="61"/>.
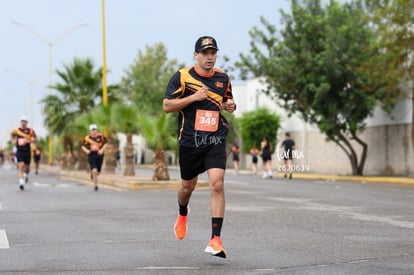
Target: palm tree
<point x="79" y="129"/>
<point x="124" y="119"/>
<point x="79" y="91"/>
<point x="56" y="119"/>
<point x="159" y="133"/>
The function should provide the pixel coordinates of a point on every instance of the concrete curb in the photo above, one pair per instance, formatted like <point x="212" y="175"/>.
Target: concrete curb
<point x="403" y="181"/>
<point x="363" y="179"/>
<point x="120" y="182"/>
<point x="140" y="182"/>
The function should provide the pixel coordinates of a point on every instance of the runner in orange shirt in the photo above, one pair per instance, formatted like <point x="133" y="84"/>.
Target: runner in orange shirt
<point x="22" y="137"/>
<point x="94" y="145"/>
<point x="199" y="94"/>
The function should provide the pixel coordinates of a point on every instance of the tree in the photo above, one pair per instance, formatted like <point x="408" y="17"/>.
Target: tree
<point x="145" y="80"/>
<point x="159" y="132"/>
<point x="232" y="135"/>
<point x="255" y="125"/>
<point x="314" y="69"/>
<point x="56" y="119"/>
<point x="124" y="119"/>
<point x="79" y="91"/>
<point x="144" y="86"/>
<point x="393" y="69"/>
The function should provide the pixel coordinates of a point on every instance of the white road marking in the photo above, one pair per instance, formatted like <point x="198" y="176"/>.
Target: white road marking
<point x="167" y="268"/>
<point x="248" y="208"/>
<point x="175" y="268"/>
<point x="4" y="242"/>
<point x="50" y="184"/>
<point x="346" y="211"/>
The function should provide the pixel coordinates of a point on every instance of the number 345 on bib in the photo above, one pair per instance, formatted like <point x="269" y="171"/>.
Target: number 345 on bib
<point x="207" y="120"/>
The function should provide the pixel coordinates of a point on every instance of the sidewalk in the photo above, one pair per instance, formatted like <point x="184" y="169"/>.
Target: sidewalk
<point x="402" y="181"/>
<point x="118" y="181"/>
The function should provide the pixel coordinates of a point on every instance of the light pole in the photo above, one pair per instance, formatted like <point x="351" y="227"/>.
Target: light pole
<point x="31" y="82"/>
<point x="50" y="44"/>
<point x="104" y="81"/>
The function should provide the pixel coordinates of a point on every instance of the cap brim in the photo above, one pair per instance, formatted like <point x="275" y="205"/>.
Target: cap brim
<point x="207" y="47"/>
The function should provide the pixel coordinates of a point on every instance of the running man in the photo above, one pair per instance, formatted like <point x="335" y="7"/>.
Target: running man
<point x="235" y="151"/>
<point x="94" y="146"/>
<point x="22" y="137"/>
<point x="198" y="94"/>
<point x="266" y="147"/>
<point x="288" y="146"/>
<point x="254" y="152"/>
<point x="1" y="156"/>
<point x="37" y="156"/>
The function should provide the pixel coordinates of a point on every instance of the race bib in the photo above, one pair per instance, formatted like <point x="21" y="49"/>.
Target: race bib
<point x="94" y="147"/>
<point x="22" y="141"/>
<point x="207" y="120"/>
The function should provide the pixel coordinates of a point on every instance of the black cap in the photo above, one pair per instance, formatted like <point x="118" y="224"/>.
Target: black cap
<point x="205" y="42"/>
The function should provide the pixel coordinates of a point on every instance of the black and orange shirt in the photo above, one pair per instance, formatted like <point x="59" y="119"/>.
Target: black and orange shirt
<point x="94" y="143"/>
<point x="23" y="136"/>
<point x="201" y="123"/>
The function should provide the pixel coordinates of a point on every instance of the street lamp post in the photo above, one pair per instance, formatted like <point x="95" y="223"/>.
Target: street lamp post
<point x="104" y="81"/>
<point x="50" y="44"/>
<point x="31" y="83"/>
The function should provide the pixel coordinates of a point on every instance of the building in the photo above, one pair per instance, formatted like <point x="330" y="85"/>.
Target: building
<point x="388" y="137"/>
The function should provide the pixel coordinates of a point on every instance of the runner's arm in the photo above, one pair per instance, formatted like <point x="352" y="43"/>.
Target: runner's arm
<point x="85" y="149"/>
<point x="33" y="137"/>
<point x="177" y="104"/>
<point x="13" y="137"/>
<point x="229" y="106"/>
<point x="102" y="150"/>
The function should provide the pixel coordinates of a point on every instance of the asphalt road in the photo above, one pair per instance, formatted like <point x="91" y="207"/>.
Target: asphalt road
<point x="274" y="226"/>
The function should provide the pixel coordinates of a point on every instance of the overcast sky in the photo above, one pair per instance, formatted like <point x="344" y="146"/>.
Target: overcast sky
<point x="130" y="25"/>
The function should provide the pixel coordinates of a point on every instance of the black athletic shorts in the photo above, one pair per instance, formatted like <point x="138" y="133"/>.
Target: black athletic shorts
<point x="23" y="156"/>
<point x="36" y="158"/>
<point x="254" y="159"/>
<point x="288" y="154"/>
<point x="194" y="161"/>
<point x="266" y="157"/>
<point x="95" y="160"/>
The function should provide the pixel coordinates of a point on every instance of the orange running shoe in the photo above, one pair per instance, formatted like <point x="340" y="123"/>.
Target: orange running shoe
<point x="215" y="247"/>
<point x="180" y="227"/>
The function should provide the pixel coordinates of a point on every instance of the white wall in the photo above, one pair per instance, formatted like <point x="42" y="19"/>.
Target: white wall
<point x="139" y="145"/>
<point x="401" y="114"/>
